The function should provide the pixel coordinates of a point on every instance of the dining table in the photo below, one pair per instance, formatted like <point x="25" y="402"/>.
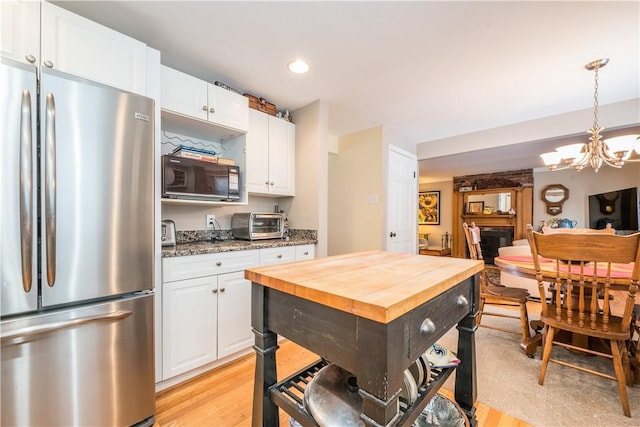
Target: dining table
<point x="523" y="266"/>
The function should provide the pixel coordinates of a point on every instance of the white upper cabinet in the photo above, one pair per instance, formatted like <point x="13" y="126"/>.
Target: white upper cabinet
<point x="184" y="94"/>
<point x="270" y="155"/>
<point x="20" y="31"/>
<point x="78" y="46"/>
<point x="195" y="98"/>
<point x="228" y="108"/>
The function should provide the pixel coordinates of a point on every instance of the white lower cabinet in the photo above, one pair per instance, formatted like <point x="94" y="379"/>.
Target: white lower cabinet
<point x="189" y="324"/>
<point x="206" y="305"/>
<point x="277" y="255"/>
<point x="234" y="313"/>
<point x="304" y="252"/>
<point x="206" y="309"/>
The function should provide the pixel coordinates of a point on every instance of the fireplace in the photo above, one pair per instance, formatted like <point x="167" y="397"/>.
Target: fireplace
<point x="492" y="238"/>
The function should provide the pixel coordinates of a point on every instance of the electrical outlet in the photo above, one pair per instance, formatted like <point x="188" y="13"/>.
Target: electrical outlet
<point x="210" y="224"/>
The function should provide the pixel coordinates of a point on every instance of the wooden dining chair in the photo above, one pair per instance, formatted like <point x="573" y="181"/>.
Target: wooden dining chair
<point x="589" y="257"/>
<point x="634" y="345"/>
<point x="493" y="293"/>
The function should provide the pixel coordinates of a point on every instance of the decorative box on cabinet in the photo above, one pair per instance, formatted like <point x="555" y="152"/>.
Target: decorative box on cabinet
<point x="270" y="155"/>
<point x="189" y="96"/>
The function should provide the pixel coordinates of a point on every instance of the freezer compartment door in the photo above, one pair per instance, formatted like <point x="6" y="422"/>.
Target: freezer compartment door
<point x="97" y="190"/>
<point x="18" y="230"/>
<point x="90" y="366"/>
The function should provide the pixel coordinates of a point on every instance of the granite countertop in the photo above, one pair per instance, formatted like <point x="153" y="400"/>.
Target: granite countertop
<point x="211" y="247"/>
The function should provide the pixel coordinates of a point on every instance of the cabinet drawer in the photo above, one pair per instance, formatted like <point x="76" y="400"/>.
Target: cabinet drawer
<point x="305" y="252"/>
<point x="277" y="255"/>
<point x="189" y="267"/>
<point x="438" y="316"/>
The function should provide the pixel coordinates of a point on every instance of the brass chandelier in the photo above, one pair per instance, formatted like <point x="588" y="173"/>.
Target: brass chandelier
<point x="613" y="151"/>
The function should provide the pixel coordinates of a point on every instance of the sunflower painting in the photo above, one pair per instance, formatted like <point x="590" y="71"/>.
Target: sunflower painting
<point x="429" y="208"/>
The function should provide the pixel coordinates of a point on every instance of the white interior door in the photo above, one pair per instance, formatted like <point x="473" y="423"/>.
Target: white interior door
<point x="402" y="193"/>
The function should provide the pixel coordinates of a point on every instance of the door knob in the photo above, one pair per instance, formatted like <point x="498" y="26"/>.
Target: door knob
<point x="392" y="234"/>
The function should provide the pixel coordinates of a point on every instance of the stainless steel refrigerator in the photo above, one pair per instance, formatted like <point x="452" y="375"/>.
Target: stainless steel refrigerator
<point x="76" y="251"/>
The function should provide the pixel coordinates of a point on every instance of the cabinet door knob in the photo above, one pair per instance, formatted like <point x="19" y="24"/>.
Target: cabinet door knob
<point x="427" y="326"/>
<point x="279" y="256"/>
<point x="48" y="63"/>
<point x="462" y="301"/>
<point x="30" y="58"/>
<point x="306" y="253"/>
<point x="204" y="108"/>
<point x="272" y="183"/>
<point x="212" y="110"/>
<point x="219" y="263"/>
<point x="222" y="289"/>
<point x="392" y="234"/>
<point x="215" y="291"/>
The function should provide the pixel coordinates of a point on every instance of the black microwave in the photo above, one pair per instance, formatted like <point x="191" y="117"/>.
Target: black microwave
<point x="184" y="178"/>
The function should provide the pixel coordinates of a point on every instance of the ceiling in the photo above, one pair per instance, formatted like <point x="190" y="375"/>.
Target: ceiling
<point x="425" y="70"/>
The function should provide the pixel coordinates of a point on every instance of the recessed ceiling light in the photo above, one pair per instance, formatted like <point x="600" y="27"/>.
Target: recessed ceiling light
<point x="298" y="66"/>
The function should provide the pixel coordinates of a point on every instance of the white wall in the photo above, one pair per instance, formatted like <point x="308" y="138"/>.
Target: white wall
<point x="581" y="185"/>
<point x="355" y="174"/>
<point x="188" y="217"/>
<point x="614" y="115"/>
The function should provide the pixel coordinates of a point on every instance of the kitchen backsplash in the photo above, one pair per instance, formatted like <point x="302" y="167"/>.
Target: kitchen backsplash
<point x="188" y="236"/>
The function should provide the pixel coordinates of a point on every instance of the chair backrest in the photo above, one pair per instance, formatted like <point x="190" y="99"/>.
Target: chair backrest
<point x="588" y="257"/>
<point x="472" y="236"/>
<point x="608" y="230"/>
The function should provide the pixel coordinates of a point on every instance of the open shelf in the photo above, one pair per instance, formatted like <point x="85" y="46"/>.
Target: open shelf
<point x="288" y="394"/>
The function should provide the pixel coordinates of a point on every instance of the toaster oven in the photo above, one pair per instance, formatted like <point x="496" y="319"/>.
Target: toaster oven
<point x="258" y="225"/>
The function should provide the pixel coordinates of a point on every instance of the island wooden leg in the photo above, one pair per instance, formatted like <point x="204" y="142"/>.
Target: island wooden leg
<point x="466" y="389"/>
<point x="265" y="412"/>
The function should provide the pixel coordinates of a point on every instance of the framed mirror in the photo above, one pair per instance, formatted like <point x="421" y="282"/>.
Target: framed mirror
<point x="554" y="196"/>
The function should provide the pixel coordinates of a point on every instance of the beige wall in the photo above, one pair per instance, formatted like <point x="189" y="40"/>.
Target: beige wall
<point x="355" y="179"/>
<point x="581" y="185"/>
<point x="446" y="219"/>
<point x="308" y="208"/>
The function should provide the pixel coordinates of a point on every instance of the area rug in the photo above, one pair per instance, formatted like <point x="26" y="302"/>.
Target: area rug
<point x="508" y="382"/>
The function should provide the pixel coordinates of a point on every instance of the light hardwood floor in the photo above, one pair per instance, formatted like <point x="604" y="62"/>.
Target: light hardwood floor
<point x="223" y="397"/>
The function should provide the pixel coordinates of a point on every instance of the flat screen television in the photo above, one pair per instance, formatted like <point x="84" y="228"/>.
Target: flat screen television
<point x="619" y="208"/>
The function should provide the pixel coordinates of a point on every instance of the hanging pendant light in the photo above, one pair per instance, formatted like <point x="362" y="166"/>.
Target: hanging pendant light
<point x="613" y="151"/>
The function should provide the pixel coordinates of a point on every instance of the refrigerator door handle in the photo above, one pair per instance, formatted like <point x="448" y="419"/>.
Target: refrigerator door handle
<point x="50" y="186"/>
<point x="31" y="331"/>
<point x="26" y="190"/>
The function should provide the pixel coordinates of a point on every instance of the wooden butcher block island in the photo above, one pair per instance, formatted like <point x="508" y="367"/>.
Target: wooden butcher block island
<point x="371" y="313"/>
